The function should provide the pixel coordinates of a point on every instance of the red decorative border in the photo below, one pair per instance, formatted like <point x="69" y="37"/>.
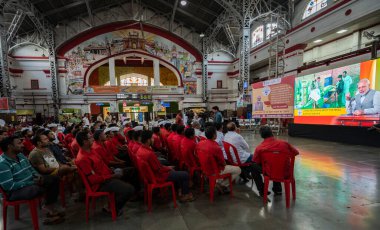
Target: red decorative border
<point x="86" y="35"/>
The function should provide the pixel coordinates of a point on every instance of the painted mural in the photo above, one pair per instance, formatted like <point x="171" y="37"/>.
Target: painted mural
<point x="99" y="47"/>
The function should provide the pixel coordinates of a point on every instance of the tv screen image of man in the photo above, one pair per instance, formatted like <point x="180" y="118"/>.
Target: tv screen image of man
<point x="365" y="102"/>
<point x="259" y="105"/>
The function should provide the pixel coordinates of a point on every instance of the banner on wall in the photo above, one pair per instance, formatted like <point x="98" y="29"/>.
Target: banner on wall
<point x="273" y="98"/>
<point x="4" y="103"/>
<point x="331" y="97"/>
<point x="190" y="88"/>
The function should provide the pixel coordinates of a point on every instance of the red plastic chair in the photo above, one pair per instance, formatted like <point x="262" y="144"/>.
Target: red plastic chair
<point x="33" y="204"/>
<point x="227" y="147"/>
<point x="279" y="167"/>
<point x="212" y="179"/>
<point x="151" y="183"/>
<point x="93" y="195"/>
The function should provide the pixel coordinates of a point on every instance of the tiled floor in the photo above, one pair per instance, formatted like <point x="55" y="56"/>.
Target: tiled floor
<point x="337" y="188"/>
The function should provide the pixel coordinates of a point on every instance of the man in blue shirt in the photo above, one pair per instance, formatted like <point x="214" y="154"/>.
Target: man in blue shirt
<point x="218" y="117"/>
<point x="21" y="182"/>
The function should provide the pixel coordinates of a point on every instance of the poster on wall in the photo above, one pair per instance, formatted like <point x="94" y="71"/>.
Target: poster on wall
<point x="90" y="51"/>
<point x="190" y="88"/>
<point x="273" y="98"/>
<point x="333" y="97"/>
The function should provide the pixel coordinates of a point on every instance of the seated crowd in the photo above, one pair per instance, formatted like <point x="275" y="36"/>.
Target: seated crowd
<point x="36" y="161"/>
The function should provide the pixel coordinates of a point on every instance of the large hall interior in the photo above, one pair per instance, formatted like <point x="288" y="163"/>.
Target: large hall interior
<point x="189" y="114"/>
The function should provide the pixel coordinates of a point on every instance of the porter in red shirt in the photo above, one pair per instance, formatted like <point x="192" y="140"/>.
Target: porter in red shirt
<point x="210" y="156"/>
<point x="147" y="155"/>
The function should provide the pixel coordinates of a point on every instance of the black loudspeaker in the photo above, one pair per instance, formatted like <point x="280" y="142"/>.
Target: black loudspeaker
<point x="249" y="108"/>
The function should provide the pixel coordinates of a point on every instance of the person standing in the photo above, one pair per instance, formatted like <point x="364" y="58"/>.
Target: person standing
<point x="341" y="101"/>
<point x="218" y="117"/>
<point x="347" y="81"/>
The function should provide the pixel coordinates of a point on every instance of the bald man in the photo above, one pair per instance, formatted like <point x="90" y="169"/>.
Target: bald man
<point x="238" y="141"/>
<point x="365" y="102"/>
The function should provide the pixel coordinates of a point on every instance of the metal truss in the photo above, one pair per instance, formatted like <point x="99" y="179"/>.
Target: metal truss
<point x="4" y="73"/>
<point x="132" y="10"/>
<point x="204" y="70"/>
<point x="246" y="12"/>
<point x="276" y="48"/>
<point x="44" y="32"/>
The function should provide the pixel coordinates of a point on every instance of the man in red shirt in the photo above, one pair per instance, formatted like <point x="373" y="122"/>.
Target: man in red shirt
<point x="176" y="142"/>
<point x="212" y="162"/>
<point x="99" y="148"/>
<point x="27" y="142"/>
<point x="74" y="148"/>
<point x="137" y="141"/>
<point x="163" y="173"/>
<point x="99" y="176"/>
<point x="188" y="145"/>
<point x="269" y="145"/>
<point x="171" y="135"/>
<point x="157" y="143"/>
<point x="165" y="131"/>
<point x="127" y="127"/>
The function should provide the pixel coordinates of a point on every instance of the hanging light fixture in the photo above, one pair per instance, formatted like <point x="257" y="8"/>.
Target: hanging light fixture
<point x="183" y="3"/>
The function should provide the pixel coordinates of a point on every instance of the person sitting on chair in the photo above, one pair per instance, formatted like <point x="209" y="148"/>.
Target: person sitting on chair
<point x="270" y="144"/>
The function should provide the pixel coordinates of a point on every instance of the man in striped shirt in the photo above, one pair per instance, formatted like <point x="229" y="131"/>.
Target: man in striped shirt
<point x="21" y="182"/>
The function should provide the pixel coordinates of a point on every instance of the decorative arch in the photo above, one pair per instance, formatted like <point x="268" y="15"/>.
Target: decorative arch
<point x="100" y="62"/>
<point x="313" y="7"/>
<point x="130" y="24"/>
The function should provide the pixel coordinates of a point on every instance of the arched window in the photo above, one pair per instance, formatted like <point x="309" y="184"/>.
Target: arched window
<point x="258" y="36"/>
<point x="271" y="30"/>
<point x="313" y="7"/>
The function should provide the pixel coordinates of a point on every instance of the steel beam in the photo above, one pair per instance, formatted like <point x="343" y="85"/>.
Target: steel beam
<point x="89" y="12"/>
<point x="204" y="70"/>
<point x="173" y="15"/>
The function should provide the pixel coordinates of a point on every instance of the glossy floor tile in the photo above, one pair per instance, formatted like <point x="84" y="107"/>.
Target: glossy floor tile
<point x="337" y="188"/>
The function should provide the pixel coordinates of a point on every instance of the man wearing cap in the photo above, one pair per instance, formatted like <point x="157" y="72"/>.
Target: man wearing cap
<point x="127" y="127"/>
<point x="27" y="133"/>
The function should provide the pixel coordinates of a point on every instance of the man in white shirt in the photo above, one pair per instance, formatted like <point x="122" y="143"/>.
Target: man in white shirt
<point x="196" y="126"/>
<point x="220" y="138"/>
<point x="238" y="141"/>
<point x="365" y="102"/>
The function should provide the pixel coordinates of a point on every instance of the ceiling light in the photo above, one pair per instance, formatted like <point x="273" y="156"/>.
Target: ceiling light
<point x="318" y="41"/>
<point x="183" y="3"/>
<point x="202" y="35"/>
<point x="341" y="31"/>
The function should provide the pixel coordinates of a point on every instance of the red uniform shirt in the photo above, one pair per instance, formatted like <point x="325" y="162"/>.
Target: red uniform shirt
<point x="61" y="137"/>
<point x="28" y="146"/>
<point x="176" y="145"/>
<point x="100" y="149"/>
<point x="188" y="151"/>
<point x="271" y="144"/>
<point x="68" y="139"/>
<point x="75" y="147"/>
<point x="136" y="147"/>
<point x="170" y="140"/>
<point x="210" y="156"/>
<point x="120" y="139"/>
<point x="125" y="131"/>
<point x="93" y="168"/>
<point x="111" y="147"/>
<point x="157" y="143"/>
<point x="147" y="155"/>
<point x="131" y="143"/>
<point x="164" y="136"/>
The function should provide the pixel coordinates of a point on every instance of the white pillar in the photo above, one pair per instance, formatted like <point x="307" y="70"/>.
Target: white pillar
<point x="199" y="85"/>
<point x="156" y="69"/>
<point x="111" y="66"/>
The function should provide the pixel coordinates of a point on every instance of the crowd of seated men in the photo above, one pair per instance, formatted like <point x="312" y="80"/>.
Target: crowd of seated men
<point x="36" y="160"/>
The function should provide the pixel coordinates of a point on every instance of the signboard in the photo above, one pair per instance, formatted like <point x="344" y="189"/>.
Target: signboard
<point x="4" y="103"/>
<point x="165" y="89"/>
<point x="115" y="89"/>
<point x="273" y="98"/>
<point x="133" y="96"/>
